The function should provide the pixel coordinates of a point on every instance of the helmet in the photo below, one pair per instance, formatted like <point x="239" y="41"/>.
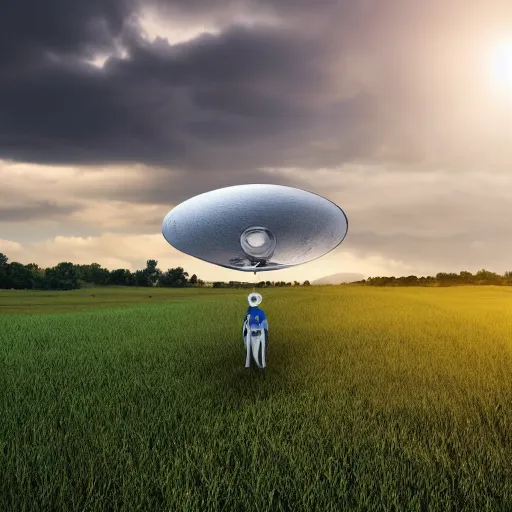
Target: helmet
<point x="254" y="299"/>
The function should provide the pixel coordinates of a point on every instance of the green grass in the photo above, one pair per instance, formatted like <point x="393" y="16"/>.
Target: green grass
<point x="373" y="399"/>
<point x="30" y="302"/>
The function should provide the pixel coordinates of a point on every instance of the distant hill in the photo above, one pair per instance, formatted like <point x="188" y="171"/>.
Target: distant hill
<point x="339" y="279"/>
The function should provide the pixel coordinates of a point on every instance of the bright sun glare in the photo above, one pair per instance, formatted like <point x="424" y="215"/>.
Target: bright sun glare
<point x="502" y="63"/>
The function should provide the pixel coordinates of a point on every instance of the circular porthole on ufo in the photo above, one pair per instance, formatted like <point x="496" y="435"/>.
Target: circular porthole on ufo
<point x="258" y="243"/>
<point x="256" y="227"/>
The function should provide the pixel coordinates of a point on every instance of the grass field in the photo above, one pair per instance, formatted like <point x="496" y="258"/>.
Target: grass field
<point x="373" y="399"/>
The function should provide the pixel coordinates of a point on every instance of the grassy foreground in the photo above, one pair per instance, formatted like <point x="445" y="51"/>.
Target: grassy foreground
<point x="374" y="399"/>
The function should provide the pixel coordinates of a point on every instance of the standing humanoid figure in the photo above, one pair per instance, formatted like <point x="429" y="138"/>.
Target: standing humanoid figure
<point x="256" y="316"/>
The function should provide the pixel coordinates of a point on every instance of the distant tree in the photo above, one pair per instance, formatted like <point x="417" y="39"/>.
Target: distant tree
<point x="99" y="275"/>
<point x="200" y="283"/>
<point x="407" y="281"/>
<point x="93" y="274"/>
<point x="64" y="276"/>
<point x="118" y="277"/>
<point x="19" y="276"/>
<point x="129" y="278"/>
<point x="306" y="283"/>
<point x="37" y="276"/>
<point x="268" y="284"/>
<point x="465" y="277"/>
<point x="151" y="266"/>
<point x="173" y="278"/>
<point x="486" y="277"/>
<point x="4" y="265"/>
<point x="453" y="278"/>
<point x="84" y="273"/>
<point x="180" y="277"/>
<point x="218" y="284"/>
<point x="296" y="283"/>
<point x="444" y="279"/>
<point x="152" y="272"/>
<point x="240" y="284"/>
<point x="193" y="279"/>
<point x="165" y="279"/>
<point x="142" y="278"/>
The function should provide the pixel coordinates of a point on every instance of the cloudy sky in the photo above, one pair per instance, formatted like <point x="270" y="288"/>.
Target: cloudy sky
<point x="114" y="111"/>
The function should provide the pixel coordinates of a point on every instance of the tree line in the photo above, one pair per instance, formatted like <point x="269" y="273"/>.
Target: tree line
<point x="68" y="276"/>
<point x="482" y="277"/>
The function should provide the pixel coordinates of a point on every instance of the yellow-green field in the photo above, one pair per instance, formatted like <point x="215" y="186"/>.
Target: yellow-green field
<point x="373" y="399"/>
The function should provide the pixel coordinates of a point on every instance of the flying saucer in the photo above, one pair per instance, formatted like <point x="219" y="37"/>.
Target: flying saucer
<point x="256" y="228"/>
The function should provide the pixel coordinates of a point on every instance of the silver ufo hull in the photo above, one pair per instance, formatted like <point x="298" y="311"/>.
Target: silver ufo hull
<point x="256" y="227"/>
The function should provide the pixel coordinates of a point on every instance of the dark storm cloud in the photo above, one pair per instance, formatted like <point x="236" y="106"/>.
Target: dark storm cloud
<point x="243" y="99"/>
<point x="30" y="29"/>
<point x="333" y="81"/>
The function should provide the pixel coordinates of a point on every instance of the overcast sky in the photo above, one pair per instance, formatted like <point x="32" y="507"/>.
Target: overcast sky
<point x="114" y="111"/>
